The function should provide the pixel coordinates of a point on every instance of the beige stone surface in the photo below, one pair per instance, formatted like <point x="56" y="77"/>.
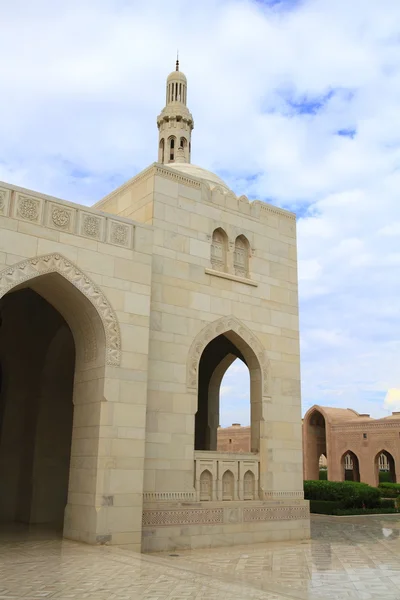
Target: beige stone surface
<point x="157" y="288"/>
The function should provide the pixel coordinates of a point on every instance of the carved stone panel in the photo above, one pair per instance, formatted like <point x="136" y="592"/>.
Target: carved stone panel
<point x="4" y="201"/>
<point x="91" y="226"/>
<point x="120" y="234"/>
<point x="60" y="217"/>
<point x="28" y="208"/>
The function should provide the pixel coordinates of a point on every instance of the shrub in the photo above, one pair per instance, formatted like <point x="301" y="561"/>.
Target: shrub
<point x="387" y="503"/>
<point x="323" y="474"/>
<point x="324" y="507"/>
<point x="385" y="477"/>
<point x="349" y="493"/>
<point x="390" y="490"/>
<point x="368" y="511"/>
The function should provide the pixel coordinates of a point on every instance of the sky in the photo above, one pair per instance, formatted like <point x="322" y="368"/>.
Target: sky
<point x="295" y="103"/>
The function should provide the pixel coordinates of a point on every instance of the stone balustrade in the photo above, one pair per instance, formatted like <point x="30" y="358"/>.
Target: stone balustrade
<point x="226" y="476"/>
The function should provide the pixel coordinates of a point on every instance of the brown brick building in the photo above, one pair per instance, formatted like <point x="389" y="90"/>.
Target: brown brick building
<point x="355" y="446"/>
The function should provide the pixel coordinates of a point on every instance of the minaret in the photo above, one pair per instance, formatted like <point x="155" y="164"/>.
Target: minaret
<point x="175" y="123"/>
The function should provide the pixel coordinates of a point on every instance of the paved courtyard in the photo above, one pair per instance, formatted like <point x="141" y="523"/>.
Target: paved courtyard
<point x="347" y="558"/>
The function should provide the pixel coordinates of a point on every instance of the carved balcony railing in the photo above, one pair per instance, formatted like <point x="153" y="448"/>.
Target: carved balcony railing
<point x="226" y="476"/>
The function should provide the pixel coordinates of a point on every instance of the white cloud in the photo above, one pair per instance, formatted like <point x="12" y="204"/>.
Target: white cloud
<point x="392" y="400"/>
<point x="84" y="81"/>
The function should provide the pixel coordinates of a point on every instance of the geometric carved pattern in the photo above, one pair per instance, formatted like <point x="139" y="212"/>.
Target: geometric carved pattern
<point x="55" y="263"/>
<point x="212" y="330"/>
<point x="279" y="513"/>
<point x="195" y="516"/>
<point x="215" y="516"/>
<point x="28" y="208"/>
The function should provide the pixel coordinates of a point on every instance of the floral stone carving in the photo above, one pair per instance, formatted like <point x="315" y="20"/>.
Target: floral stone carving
<point x="56" y="263"/>
<point x="119" y="234"/>
<point x="28" y="208"/>
<point x="91" y="226"/>
<point x="60" y="217"/>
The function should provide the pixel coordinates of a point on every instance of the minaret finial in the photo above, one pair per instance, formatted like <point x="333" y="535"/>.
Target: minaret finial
<point x="177" y="61"/>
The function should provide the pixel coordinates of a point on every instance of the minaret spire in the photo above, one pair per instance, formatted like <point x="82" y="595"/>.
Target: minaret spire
<point x="175" y="123"/>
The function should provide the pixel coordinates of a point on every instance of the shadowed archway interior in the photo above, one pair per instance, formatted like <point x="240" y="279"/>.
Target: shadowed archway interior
<point x="37" y="355"/>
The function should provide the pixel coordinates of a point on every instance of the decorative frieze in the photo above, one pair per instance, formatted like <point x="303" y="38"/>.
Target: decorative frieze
<point x="151" y="497"/>
<point x="223" y="515"/>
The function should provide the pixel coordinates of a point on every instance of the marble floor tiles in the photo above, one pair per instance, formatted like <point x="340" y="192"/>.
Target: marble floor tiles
<point x="352" y="558"/>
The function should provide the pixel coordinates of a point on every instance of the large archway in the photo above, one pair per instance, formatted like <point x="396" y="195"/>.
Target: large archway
<point x="38" y="359"/>
<point x="54" y="347"/>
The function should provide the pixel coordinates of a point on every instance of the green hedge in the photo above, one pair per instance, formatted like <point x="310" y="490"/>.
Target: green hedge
<point x="323" y="474"/>
<point x="324" y="507"/>
<point x="387" y="503"/>
<point x="390" y="490"/>
<point x="350" y="494"/>
<point x="385" y="477"/>
<point x="368" y="511"/>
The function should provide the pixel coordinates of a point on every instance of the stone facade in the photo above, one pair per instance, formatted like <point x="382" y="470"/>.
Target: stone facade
<point x="124" y="310"/>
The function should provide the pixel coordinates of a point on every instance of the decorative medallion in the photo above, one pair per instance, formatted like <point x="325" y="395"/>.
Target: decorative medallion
<point x="91" y="226"/>
<point x="28" y="208"/>
<point x="119" y="234"/>
<point x="61" y="218"/>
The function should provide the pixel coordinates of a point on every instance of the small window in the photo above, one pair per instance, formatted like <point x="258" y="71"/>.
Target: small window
<point x="365" y="436"/>
<point x="230" y="440"/>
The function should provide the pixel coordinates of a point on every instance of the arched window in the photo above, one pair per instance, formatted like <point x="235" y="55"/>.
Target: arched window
<point x="350" y="467"/>
<point x="228" y="484"/>
<point x="218" y="250"/>
<point x="384" y="461"/>
<point x="183" y="142"/>
<point x="161" y="153"/>
<point x="241" y="256"/>
<point x="248" y="486"/>
<point x="205" y="486"/>
<point x="171" y="148"/>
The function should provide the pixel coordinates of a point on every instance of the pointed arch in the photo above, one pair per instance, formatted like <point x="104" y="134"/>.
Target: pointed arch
<point x="228" y="485"/>
<point x="242" y="337"/>
<point x="219" y="248"/>
<point x="27" y="270"/>
<point x="241" y="256"/>
<point x="249" y="482"/>
<point x="205" y="486"/>
<point x="390" y="462"/>
<point x="350" y="466"/>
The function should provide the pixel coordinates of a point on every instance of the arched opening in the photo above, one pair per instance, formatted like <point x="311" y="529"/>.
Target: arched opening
<point x="249" y="486"/>
<point x="234" y="409"/>
<point x="228" y="486"/>
<point x="52" y="354"/>
<point x="315" y="444"/>
<point x="241" y="256"/>
<point x="171" y="149"/>
<point x="219" y="246"/>
<point x="350" y="467"/>
<point x="161" y="152"/>
<point x="385" y="463"/>
<point x="216" y="358"/>
<point x="323" y="467"/>
<point x="205" y="486"/>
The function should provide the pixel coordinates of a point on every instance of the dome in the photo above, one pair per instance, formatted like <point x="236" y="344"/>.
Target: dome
<point x="194" y="171"/>
<point x="177" y="76"/>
